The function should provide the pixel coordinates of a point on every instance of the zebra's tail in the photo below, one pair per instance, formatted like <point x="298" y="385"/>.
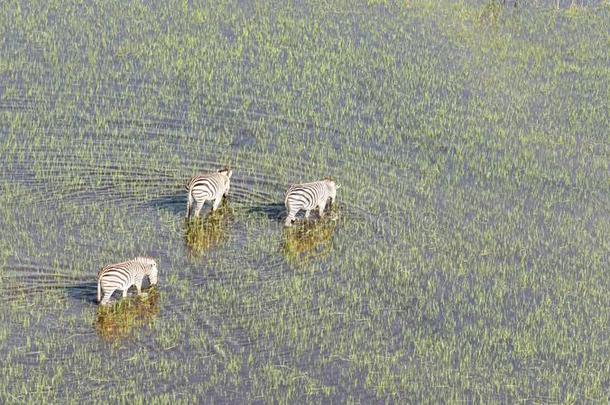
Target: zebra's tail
<point x="288" y="193"/>
<point x="189" y="203"/>
<point x="99" y="290"/>
<point x="189" y="190"/>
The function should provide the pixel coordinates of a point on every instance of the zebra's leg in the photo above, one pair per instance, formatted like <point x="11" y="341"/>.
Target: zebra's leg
<point x="307" y="214"/>
<point x="322" y="206"/>
<point x="217" y="202"/>
<point x="198" y="207"/>
<point x="138" y="284"/>
<point x="125" y="292"/>
<point x="188" y="206"/>
<point x="106" y="298"/>
<point x="291" y="217"/>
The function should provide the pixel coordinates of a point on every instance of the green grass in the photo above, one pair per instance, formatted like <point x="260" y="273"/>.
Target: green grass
<point x="466" y="260"/>
<point x="118" y="321"/>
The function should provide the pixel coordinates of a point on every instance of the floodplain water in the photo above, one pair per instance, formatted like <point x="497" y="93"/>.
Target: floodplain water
<point x="465" y="259"/>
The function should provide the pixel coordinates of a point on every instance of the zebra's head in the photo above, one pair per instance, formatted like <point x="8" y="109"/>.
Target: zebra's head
<point x="151" y="264"/>
<point x="332" y="187"/>
<point x="152" y="275"/>
<point x="226" y="171"/>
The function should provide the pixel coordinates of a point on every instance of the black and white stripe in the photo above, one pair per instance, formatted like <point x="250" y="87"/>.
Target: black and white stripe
<point x="121" y="276"/>
<point x="209" y="186"/>
<point x="308" y="196"/>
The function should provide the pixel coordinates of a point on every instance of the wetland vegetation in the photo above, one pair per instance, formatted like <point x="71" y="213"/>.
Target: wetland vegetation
<point x="468" y="257"/>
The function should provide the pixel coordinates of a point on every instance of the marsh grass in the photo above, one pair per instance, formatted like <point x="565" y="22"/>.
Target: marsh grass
<point x="310" y="238"/>
<point x="121" y="320"/>
<point x="209" y="230"/>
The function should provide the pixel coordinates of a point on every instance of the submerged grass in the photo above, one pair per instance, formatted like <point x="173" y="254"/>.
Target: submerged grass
<point x="466" y="262"/>
<point x="203" y="233"/>
<point x="310" y="239"/>
<point x="118" y="321"/>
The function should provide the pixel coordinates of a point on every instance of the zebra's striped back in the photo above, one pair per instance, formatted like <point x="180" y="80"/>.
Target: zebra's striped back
<point x="123" y="275"/>
<point x="208" y="186"/>
<point x="308" y="196"/>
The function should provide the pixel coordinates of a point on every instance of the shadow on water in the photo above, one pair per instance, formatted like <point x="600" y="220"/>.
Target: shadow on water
<point x="206" y="232"/>
<point x="119" y="321"/>
<point x="174" y="203"/>
<point x="85" y="292"/>
<point x="308" y="239"/>
<point x="26" y="280"/>
<point x="273" y="211"/>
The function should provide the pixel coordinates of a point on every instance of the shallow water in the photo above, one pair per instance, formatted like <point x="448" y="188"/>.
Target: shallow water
<point x="465" y="259"/>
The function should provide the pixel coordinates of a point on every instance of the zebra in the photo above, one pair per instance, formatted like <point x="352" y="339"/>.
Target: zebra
<point x="208" y="186"/>
<point x="308" y="196"/>
<point x="121" y="276"/>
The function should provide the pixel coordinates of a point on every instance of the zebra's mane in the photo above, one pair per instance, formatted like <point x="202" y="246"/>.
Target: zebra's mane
<point x="145" y="259"/>
<point x="224" y="169"/>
